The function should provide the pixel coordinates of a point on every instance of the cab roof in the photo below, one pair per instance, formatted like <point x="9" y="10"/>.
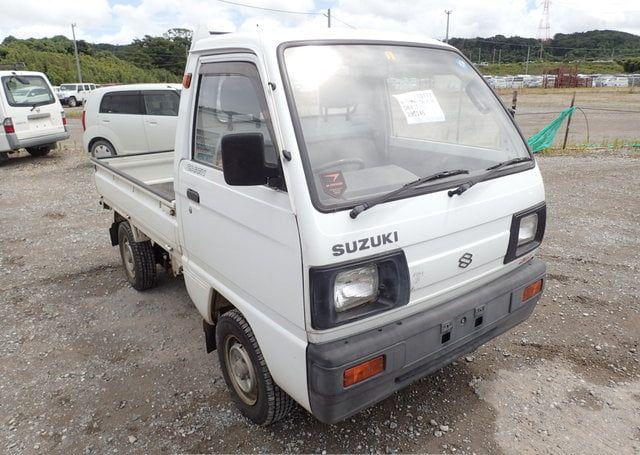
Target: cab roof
<point x="272" y="38"/>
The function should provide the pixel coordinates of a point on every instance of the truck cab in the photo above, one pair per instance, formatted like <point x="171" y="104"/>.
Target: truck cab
<point x="349" y="213"/>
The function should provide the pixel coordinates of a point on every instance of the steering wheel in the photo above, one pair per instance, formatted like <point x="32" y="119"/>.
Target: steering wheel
<point x="340" y="163"/>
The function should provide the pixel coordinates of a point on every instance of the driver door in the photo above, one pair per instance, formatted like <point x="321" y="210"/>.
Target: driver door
<point x="245" y="237"/>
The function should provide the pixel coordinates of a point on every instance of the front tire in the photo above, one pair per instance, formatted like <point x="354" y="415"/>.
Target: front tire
<point x="39" y="151"/>
<point x="138" y="259"/>
<point x="246" y="374"/>
<point x="72" y="102"/>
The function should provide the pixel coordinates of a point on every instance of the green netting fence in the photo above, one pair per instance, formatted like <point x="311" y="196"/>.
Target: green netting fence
<point x="544" y="139"/>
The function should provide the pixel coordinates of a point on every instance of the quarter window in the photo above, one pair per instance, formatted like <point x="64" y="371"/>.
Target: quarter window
<point x="230" y="101"/>
<point x="121" y="103"/>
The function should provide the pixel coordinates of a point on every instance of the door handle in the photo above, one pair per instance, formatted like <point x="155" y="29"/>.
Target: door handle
<point x="106" y="121"/>
<point x="193" y="195"/>
<point x="152" y="123"/>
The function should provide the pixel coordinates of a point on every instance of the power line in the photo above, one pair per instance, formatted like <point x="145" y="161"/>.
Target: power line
<point x="329" y="16"/>
<point x="333" y="17"/>
<point x="276" y="10"/>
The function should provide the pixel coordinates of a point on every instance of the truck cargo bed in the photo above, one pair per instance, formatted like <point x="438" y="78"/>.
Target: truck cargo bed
<point x="140" y="188"/>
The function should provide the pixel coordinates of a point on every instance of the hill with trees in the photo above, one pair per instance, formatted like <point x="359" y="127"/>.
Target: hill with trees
<point x="150" y="59"/>
<point x="592" y="46"/>
<point x="162" y="58"/>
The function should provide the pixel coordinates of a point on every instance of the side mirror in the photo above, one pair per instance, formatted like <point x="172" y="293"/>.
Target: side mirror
<point x="243" y="162"/>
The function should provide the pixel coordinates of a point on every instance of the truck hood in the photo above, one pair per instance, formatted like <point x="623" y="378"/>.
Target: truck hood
<point x="451" y="244"/>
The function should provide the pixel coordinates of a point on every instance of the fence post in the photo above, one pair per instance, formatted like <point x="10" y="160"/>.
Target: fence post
<point x="514" y="102"/>
<point x="566" y="131"/>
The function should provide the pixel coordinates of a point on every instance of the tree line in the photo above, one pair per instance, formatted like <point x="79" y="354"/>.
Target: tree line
<point x="163" y="58"/>
<point x="595" y="45"/>
<point x="149" y="59"/>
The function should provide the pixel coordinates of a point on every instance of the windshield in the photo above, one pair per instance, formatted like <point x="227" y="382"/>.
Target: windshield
<point x="27" y="91"/>
<point x="374" y="117"/>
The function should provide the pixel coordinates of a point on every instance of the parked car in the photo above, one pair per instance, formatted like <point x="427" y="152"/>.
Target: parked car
<point x="32" y="117"/>
<point x="341" y="236"/>
<point x="75" y="94"/>
<point x="128" y="119"/>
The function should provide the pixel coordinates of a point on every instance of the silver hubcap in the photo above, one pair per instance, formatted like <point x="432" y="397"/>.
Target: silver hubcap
<point x="127" y="258"/>
<point x="101" y="150"/>
<point x="241" y="370"/>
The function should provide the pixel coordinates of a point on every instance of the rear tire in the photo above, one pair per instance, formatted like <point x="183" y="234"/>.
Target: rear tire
<point x="4" y="156"/>
<point x="101" y="149"/>
<point x="72" y="102"/>
<point x="137" y="259"/>
<point x="246" y="374"/>
<point x="39" y="151"/>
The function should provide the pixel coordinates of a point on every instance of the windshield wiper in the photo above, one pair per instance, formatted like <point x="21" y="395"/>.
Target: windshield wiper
<point x="358" y="209"/>
<point x="490" y="171"/>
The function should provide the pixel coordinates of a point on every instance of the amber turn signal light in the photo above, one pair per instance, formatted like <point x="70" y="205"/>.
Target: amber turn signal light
<point x="363" y="371"/>
<point x="532" y="290"/>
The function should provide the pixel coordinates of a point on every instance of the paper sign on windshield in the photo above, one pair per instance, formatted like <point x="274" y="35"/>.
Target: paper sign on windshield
<point x="420" y="106"/>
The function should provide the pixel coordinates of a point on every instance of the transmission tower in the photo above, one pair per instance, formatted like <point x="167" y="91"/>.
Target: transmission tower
<point x="544" y="29"/>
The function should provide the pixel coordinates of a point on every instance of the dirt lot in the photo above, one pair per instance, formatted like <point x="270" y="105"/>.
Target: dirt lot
<point x="87" y="364"/>
<point x="537" y="107"/>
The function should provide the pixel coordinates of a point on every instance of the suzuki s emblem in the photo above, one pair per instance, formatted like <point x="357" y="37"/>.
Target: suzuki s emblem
<point x="465" y="260"/>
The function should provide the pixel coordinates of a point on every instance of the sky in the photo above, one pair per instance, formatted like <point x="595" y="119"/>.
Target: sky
<point x="121" y="21"/>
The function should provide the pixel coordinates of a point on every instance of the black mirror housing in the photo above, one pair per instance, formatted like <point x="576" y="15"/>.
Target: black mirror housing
<point x="243" y="162"/>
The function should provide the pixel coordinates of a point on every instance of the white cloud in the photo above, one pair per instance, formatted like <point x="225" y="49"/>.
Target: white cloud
<point x="100" y="21"/>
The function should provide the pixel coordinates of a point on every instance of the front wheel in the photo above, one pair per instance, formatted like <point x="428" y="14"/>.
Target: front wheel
<point x="138" y="259"/>
<point x="39" y="151"/>
<point x="246" y="374"/>
<point x="72" y="102"/>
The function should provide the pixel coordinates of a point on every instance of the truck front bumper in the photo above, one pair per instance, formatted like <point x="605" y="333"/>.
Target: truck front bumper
<point x="418" y="345"/>
<point x="15" y="143"/>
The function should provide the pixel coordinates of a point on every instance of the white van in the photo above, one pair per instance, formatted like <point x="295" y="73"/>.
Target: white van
<point x="351" y="211"/>
<point x="75" y="94"/>
<point x="30" y="113"/>
<point x="130" y="119"/>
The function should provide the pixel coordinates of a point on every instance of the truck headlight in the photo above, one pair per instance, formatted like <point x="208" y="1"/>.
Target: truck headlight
<point x="342" y="293"/>
<point x="528" y="228"/>
<point x="355" y="287"/>
<point x="527" y="231"/>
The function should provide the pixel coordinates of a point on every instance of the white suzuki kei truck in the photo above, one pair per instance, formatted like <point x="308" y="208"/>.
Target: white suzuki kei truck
<point x="350" y="211"/>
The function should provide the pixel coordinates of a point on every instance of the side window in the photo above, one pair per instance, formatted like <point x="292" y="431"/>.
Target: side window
<point x="162" y="103"/>
<point x="80" y="88"/>
<point x="230" y="101"/>
<point x="121" y="103"/>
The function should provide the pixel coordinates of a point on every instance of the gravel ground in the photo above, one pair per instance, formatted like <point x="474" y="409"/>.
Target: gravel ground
<point x="87" y="364"/>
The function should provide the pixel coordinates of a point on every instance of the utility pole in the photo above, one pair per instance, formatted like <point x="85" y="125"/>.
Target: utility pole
<point x="479" y="54"/>
<point x="526" y="65"/>
<point x="493" y="60"/>
<point x="329" y="17"/>
<point x="75" y="51"/>
<point x="540" y="50"/>
<point x="499" y="56"/>
<point x="448" y="13"/>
